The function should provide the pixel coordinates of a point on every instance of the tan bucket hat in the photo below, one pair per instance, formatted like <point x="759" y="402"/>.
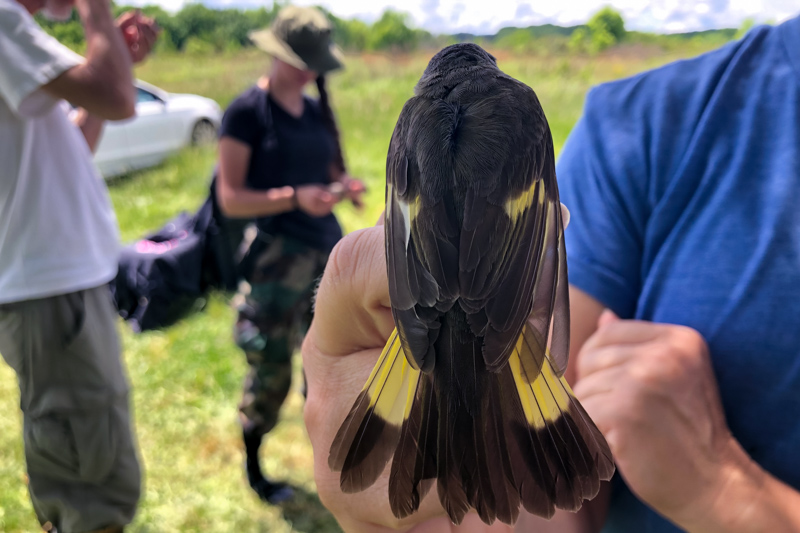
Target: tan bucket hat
<point x="300" y="36"/>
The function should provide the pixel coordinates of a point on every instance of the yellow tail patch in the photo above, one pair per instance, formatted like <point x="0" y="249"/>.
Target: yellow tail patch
<point x="545" y="397"/>
<point x="392" y="385"/>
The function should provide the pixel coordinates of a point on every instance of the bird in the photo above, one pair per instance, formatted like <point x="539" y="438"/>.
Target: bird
<point x="469" y="391"/>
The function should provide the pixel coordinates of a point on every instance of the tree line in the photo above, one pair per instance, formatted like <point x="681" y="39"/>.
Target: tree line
<point x="197" y="29"/>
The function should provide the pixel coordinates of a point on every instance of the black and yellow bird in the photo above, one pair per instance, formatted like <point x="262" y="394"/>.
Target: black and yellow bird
<point x="469" y="390"/>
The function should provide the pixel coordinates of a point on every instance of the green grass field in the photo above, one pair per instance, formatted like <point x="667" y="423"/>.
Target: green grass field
<point x="186" y="380"/>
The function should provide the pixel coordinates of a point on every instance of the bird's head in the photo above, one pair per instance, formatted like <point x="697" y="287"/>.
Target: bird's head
<point x="459" y="56"/>
<point x="452" y="65"/>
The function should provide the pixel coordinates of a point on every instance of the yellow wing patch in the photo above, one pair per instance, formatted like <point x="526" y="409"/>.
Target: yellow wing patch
<point x="517" y="206"/>
<point x="408" y="211"/>
<point x="392" y="385"/>
<point x="545" y="398"/>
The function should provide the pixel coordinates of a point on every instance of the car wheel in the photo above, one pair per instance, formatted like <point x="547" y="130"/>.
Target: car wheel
<point x="203" y="133"/>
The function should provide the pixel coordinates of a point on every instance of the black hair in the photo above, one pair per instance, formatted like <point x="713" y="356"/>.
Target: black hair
<point x="330" y="123"/>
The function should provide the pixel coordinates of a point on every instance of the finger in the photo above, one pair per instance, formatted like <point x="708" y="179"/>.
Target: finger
<point x="356" y="186"/>
<point x="591" y="362"/>
<point x="607" y="317"/>
<point x="605" y="409"/>
<point x="145" y="47"/>
<point x="127" y="19"/>
<point x="624" y="332"/>
<point x="131" y="36"/>
<point x="603" y="382"/>
<point x="148" y="33"/>
<point x="565" y="215"/>
<point x="352" y="310"/>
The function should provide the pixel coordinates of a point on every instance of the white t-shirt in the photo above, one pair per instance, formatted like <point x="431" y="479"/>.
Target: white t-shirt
<point x="58" y="232"/>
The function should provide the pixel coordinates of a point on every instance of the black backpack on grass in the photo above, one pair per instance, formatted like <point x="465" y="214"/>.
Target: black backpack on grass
<point x="163" y="276"/>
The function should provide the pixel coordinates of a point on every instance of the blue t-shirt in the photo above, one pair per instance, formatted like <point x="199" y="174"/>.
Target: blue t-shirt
<point x="684" y="188"/>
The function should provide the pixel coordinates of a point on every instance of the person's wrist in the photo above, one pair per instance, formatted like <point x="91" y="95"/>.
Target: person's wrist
<point x="737" y="501"/>
<point x="294" y="200"/>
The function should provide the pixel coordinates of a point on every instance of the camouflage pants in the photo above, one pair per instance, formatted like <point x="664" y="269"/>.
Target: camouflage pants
<point x="274" y="314"/>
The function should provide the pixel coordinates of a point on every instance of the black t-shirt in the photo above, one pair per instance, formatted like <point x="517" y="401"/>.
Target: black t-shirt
<point x="286" y="150"/>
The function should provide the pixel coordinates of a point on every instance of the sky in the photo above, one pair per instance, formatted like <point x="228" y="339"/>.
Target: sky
<point x="487" y="16"/>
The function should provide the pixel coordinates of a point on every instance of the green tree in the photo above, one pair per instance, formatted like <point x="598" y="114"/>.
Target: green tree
<point x="349" y="34"/>
<point x="519" y="40"/>
<point x="69" y="33"/>
<point x="199" y="47"/>
<point x="608" y="20"/>
<point x="578" y="41"/>
<point x="392" y="32"/>
<point x="605" y="29"/>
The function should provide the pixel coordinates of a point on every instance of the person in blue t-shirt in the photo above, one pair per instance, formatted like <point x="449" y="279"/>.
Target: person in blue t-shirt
<point x="684" y="265"/>
<point x="683" y="184"/>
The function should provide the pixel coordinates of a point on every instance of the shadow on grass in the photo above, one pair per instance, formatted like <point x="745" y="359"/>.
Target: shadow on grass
<point x="306" y="513"/>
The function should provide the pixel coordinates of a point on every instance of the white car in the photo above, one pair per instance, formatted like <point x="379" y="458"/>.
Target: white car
<point x="164" y="123"/>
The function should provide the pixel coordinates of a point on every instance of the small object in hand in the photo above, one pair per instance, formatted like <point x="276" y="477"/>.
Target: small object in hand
<point x="337" y="189"/>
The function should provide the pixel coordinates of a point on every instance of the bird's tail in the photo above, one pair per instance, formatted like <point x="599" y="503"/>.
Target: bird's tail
<point x="494" y="442"/>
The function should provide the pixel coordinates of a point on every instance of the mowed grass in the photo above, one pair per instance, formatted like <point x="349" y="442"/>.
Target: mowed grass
<point x="186" y="380"/>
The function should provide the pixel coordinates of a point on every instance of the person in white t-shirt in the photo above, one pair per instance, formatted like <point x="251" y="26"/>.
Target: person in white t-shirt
<point x="58" y="251"/>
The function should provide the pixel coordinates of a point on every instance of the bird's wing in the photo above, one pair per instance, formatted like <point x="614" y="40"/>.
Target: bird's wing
<point x="512" y="259"/>
<point x="421" y="235"/>
<point x="499" y="249"/>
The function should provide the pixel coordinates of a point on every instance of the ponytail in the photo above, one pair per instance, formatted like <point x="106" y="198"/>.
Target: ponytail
<point x="330" y="123"/>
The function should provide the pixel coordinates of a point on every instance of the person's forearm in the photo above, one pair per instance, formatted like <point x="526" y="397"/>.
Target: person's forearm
<point x="781" y="509"/>
<point x="91" y="126"/>
<point x="248" y="203"/>
<point x="107" y="56"/>
<point x="749" y="500"/>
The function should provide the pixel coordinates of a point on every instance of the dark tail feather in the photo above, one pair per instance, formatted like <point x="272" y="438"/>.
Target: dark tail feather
<point x="369" y="435"/>
<point x="533" y="476"/>
<point x="497" y="457"/>
<point x="454" y="386"/>
<point x="558" y="430"/>
<point x="414" y="463"/>
<point x="492" y="440"/>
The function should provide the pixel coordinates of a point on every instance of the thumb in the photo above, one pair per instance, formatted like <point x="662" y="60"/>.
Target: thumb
<point x="607" y="317"/>
<point x="352" y="310"/>
<point x="127" y="19"/>
<point x="565" y="215"/>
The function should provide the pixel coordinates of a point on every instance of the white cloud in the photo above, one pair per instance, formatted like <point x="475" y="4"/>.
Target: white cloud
<point x="487" y="16"/>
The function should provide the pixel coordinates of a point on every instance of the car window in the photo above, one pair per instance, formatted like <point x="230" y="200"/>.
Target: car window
<point x="145" y="96"/>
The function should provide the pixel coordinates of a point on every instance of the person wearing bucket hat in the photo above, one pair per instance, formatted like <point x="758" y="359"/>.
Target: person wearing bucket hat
<point x="300" y="37"/>
<point x="280" y="163"/>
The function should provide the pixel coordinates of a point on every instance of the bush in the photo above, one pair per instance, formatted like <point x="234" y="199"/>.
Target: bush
<point x="608" y="25"/>
<point x="391" y="32"/>
<point x="197" y="46"/>
<point x="605" y="29"/>
<point x="519" y="40"/>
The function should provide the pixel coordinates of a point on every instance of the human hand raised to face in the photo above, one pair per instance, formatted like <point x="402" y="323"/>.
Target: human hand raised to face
<point x="140" y="34"/>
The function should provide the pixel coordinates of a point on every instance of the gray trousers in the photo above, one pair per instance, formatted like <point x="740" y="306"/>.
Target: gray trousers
<point x="80" y="448"/>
